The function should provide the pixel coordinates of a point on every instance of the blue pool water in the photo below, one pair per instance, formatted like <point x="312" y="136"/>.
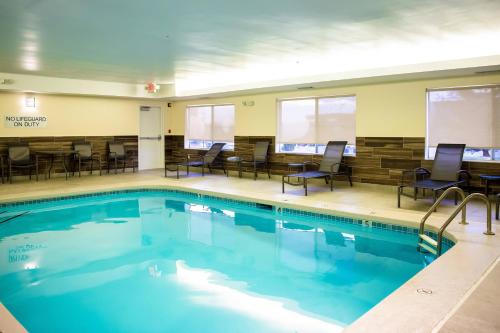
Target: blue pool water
<point x="170" y="262"/>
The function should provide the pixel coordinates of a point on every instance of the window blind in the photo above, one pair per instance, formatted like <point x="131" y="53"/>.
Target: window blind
<point x="317" y="120"/>
<point x="466" y="115"/>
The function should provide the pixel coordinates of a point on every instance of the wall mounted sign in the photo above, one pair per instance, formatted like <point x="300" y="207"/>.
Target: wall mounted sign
<point x="26" y="121"/>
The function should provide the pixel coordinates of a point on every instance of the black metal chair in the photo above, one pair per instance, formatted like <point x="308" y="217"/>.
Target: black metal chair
<point x="84" y="154"/>
<point x="331" y="165"/>
<point x="209" y="160"/>
<point x="118" y="154"/>
<point x="20" y="157"/>
<point x="445" y="173"/>
<point x="259" y="159"/>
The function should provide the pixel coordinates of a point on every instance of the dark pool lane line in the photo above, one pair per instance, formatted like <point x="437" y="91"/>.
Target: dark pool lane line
<point x="13" y="217"/>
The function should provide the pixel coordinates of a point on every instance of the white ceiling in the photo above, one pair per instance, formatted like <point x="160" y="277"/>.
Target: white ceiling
<point x="217" y="45"/>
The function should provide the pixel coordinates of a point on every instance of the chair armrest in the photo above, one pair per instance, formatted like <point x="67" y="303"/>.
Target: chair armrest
<point x="333" y="166"/>
<point x="464" y="175"/>
<point x="307" y="163"/>
<point x="111" y="154"/>
<point x="422" y="171"/>
<point x="410" y="176"/>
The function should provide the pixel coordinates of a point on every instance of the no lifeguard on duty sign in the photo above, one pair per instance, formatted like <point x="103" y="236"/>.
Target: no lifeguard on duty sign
<point x="25" y="121"/>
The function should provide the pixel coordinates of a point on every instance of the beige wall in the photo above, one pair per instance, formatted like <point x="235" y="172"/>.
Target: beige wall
<point x="74" y="115"/>
<point x="383" y="110"/>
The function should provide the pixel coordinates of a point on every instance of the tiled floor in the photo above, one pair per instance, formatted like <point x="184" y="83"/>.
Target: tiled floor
<point x="376" y="202"/>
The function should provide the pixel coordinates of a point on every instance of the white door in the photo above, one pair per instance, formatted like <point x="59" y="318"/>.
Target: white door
<point x="151" y="140"/>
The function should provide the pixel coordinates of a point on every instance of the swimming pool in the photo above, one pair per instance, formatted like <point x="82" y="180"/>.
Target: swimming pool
<point x="170" y="261"/>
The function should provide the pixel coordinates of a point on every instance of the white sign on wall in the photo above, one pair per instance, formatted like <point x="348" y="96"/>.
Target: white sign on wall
<point x="26" y="121"/>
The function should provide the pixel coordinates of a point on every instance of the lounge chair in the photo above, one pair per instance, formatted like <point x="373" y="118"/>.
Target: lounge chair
<point x="445" y="173"/>
<point x="260" y="159"/>
<point x="209" y="160"/>
<point x="20" y="157"/>
<point x="331" y="165"/>
<point x="117" y="153"/>
<point x="84" y="154"/>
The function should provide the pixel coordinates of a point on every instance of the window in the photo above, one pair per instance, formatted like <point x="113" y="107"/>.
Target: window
<point x="208" y="124"/>
<point x="465" y="115"/>
<point x="306" y="125"/>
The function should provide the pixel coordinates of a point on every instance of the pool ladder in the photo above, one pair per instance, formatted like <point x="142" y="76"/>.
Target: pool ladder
<point x="435" y="246"/>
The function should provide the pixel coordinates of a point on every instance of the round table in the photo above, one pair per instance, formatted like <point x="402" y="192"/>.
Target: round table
<point x="489" y="179"/>
<point x="296" y="165"/>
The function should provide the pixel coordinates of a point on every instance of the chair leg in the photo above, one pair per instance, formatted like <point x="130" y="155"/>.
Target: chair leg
<point x="434" y="198"/>
<point x="100" y="166"/>
<point x="456" y="198"/>
<point x="79" y="167"/>
<point x="331" y="184"/>
<point x="268" y="170"/>
<point x="400" y="189"/>
<point x="124" y="165"/>
<point x="10" y="172"/>
<point x="497" y="208"/>
<point x="350" y="180"/>
<point x="91" y="166"/>
<point x="415" y="193"/>
<point x="283" y="184"/>
<point x="305" y="186"/>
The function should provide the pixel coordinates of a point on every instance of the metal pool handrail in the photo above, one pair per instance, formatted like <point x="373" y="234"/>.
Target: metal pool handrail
<point x="461" y="207"/>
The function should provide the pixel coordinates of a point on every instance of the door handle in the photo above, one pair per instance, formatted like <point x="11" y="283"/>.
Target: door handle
<point x="158" y="138"/>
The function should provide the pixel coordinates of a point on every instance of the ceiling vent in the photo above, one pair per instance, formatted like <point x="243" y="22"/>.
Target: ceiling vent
<point x="305" y="88"/>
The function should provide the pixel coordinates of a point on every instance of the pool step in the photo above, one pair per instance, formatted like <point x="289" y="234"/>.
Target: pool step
<point x="428" y="248"/>
<point x="428" y="239"/>
<point x="429" y="244"/>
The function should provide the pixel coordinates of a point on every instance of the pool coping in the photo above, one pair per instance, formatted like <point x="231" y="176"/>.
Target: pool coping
<point x="403" y="310"/>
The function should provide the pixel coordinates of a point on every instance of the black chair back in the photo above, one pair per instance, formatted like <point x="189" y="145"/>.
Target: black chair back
<point x="84" y="150"/>
<point x="260" y="151"/>
<point x="447" y="162"/>
<point x="19" y="154"/>
<point x="117" y="150"/>
<point x="213" y="152"/>
<point x="334" y="152"/>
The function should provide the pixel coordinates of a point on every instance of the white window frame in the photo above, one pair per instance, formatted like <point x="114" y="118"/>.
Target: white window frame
<point x="207" y="143"/>
<point x="350" y="150"/>
<point x="430" y="151"/>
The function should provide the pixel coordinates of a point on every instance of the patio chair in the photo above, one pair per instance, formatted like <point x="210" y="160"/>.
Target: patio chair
<point x="331" y="165"/>
<point x="118" y="154"/>
<point x="209" y="160"/>
<point x="84" y="154"/>
<point x="20" y="157"/>
<point x="445" y="173"/>
<point x="260" y="159"/>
